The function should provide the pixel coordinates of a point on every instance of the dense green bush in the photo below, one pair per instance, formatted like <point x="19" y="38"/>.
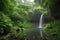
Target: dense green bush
<point x="5" y="24"/>
<point x="52" y="30"/>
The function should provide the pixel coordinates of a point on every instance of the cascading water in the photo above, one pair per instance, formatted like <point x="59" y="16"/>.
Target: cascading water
<point x="41" y="25"/>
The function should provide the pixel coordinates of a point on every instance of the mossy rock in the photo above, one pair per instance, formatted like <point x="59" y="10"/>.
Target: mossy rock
<point x="52" y="30"/>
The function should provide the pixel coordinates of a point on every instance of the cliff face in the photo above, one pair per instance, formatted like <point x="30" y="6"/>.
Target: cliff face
<point x="55" y="9"/>
<point x="35" y="16"/>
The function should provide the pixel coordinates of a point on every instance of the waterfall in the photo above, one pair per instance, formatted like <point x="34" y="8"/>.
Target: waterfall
<point x="41" y="25"/>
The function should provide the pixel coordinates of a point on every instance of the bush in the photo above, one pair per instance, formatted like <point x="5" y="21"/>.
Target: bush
<point x="5" y="24"/>
<point x="52" y="30"/>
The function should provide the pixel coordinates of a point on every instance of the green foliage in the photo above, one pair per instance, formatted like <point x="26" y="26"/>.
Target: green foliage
<point x="5" y="24"/>
<point x="12" y="15"/>
<point x="15" y="12"/>
<point x="52" y="30"/>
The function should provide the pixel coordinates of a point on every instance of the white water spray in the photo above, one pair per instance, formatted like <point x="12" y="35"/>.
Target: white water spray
<point x="41" y="25"/>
